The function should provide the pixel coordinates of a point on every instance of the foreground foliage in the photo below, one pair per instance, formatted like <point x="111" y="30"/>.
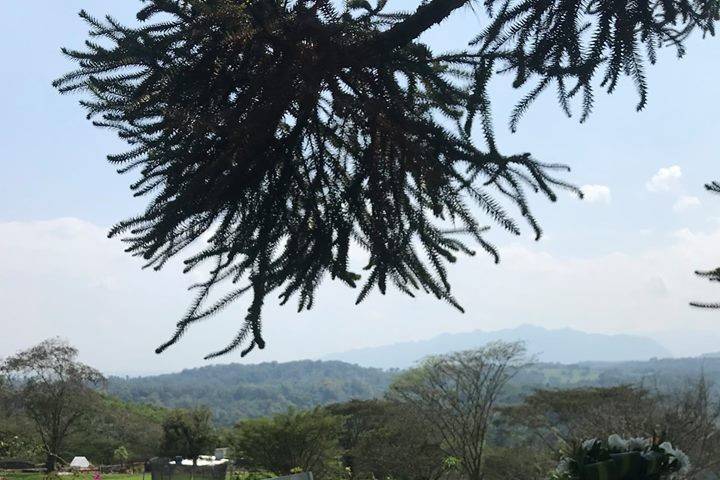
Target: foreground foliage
<point x="564" y="419"/>
<point x="623" y="459"/>
<point x="287" y="133"/>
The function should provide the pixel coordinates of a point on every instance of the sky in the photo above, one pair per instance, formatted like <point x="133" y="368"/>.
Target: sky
<point x="620" y="261"/>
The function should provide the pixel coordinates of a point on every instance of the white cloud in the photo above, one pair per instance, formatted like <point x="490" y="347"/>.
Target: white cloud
<point x="685" y="202"/>
<point x="596" y="193"/>
<point x="64" y="277"/>
<point x="665" y="180"/>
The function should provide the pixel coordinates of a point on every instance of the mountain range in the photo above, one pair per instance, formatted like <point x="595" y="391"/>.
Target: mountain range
<point x="565" y="346"/>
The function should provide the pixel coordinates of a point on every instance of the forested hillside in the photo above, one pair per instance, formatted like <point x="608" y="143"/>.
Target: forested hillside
<point x="238" y="391"/>
<point x="663" y="373"/>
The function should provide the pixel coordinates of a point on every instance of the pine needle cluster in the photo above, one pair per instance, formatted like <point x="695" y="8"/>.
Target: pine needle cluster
<point x="291" y="132"/>
<point x="711" y="275"/>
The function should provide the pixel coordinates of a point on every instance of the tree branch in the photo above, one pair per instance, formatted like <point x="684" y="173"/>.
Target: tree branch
<point x="424" y="17"/>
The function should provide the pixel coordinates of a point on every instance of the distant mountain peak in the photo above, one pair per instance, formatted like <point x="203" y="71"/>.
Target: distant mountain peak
<point x="563" y="345"/>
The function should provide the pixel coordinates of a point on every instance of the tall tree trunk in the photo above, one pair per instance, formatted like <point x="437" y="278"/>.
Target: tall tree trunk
<point x="50" y="461"/>
<point x="475" y="474"/>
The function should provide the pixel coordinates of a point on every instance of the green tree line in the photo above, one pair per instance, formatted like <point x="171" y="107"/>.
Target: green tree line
<point x="455" y="416"/>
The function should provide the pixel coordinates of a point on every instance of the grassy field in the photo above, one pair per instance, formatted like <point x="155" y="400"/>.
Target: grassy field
<point x="82" y="476"/>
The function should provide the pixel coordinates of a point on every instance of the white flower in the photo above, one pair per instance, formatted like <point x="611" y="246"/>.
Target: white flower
<point x="589" y="444"/>
<point x="679" y="458"/>
<point x="683" y="462"/>
<point x="667" y="448"/>
<point x="617" y="443"/>
<point x="637" y="443"/>
<point x="563" y="467"/>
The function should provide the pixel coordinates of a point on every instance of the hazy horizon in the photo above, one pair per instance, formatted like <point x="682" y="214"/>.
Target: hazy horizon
<point x="666" y="340"/>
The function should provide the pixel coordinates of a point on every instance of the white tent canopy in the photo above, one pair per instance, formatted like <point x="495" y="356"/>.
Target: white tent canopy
<point x="203" y="461"/>
<point x="80" y="462"/>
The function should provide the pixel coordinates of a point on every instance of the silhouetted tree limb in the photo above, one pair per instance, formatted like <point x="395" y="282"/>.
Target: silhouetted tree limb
<point x="289" y="131"/>
<point x="712" y="275"/>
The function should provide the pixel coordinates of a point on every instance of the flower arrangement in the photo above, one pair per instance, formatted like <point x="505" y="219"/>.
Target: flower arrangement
<point x="622" y="459"/>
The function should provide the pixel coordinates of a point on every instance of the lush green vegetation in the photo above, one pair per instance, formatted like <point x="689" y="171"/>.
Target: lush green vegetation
<point x="399" y="438"/>
<point x="235" y="391"/>
<point x="306" y="441"/>
<point x="50" y="412"/>
<point x="408" y="425"/>
<point x="188" y="433"/>
<point x="112" y="424"/>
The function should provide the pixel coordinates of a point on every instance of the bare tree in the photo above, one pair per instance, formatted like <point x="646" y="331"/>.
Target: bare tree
<point x="689" y="416"/>
<point x="54" y="389"/>
<point x="692" y="417"/>
<point x="566" y="416"/>
<point x="457" y="393"/>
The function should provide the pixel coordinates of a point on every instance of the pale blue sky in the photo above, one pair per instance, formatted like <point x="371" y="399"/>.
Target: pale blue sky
<point x="58" y="276"/>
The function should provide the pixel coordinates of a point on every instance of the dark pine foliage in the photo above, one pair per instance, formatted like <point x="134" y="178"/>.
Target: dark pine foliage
<point x="712" y="275"/>
<point x="289" y="131"/>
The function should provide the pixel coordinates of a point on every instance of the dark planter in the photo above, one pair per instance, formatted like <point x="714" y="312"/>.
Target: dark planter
<point x="624" y="466"/>
<point x="607" y="470"/>
<point x="630" y="465"/>
<point x="652" y="465"/>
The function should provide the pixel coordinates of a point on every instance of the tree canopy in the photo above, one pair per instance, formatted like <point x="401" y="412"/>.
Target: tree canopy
<point x="386" y="439"/>
<point x="288" y="132"/>
<point x="456" y="394"/>
<point x="284" y="443"/>
<point x="188" y="433"/>
<point x="54" y="390"/>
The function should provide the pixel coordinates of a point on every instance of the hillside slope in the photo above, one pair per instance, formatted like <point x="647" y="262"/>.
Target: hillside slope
<point x="237" y="391"/>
